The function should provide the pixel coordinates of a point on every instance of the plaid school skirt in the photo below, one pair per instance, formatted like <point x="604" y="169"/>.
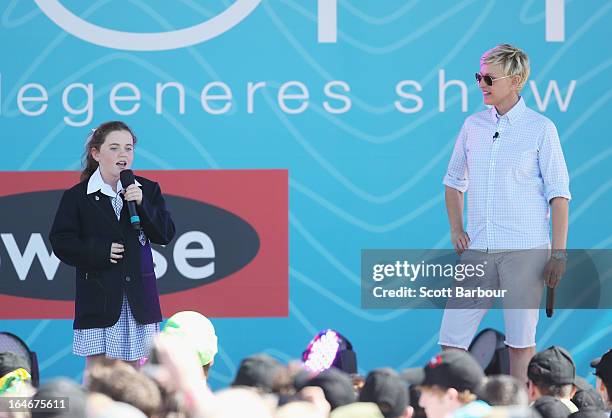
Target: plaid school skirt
<point x="127" y="340"/>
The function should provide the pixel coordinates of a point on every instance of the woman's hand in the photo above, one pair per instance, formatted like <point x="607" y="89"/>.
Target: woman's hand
<point x="133" y="194"/>
<point x="554" y="270"/>
<point x="460" y="241"/>
<point x="116" y="252"/>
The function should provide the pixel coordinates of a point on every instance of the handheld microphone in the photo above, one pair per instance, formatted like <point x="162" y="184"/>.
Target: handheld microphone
<point x="550" y="301"/>
<point x="127" y="178"/>
<point x="495" y="136"/>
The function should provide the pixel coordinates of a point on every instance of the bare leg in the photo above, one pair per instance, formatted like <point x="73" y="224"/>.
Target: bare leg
<point x="90" y="361"/>
<point x="519" y="360"/>
<point x="135" y="364"/>
<point x="447" y="348"/>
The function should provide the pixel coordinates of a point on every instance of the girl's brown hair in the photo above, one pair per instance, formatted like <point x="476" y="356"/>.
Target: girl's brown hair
<point x="95" y="140"/>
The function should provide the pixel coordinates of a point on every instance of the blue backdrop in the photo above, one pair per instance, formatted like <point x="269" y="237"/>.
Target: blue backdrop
<point x="366" y="152"/>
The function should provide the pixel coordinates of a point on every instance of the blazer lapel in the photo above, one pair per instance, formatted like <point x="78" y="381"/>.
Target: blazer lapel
<point x="103" y="204"/>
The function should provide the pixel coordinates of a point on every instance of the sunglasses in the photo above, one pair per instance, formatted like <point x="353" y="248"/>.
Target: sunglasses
<point x="488" y="79"/>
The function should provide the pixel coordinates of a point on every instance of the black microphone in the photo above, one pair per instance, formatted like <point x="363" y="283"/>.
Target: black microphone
<point x="494" y="137"/>
<point x="127" y="178"/>
<point x="550" y="301"/>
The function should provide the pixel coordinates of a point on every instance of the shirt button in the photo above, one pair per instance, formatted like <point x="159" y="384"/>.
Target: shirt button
<point x="128" y="278"/>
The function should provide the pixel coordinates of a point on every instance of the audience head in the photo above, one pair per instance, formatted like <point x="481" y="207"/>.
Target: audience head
<point x="514" y="411"/>
<point x="258" y="371"/>
<point x="357" y="410"/>
<point x="551" y="407"/>
<point x="586" y="397"/>
<point x="337" y="387"/>
<point x="14" y="373"/>
<point x="239" y="402"/>
<point x="588" y="413"/>
<point x="386" y="388"/>
<point x="603" y="373"/>
<point x="451" y="381"/>
<point x="300" y="409"/>
<point x="122" y="383"/>
<point x="414" y="377"/>
<point x="198" y="331"/>
<point x="62" y="388"/>
<point x="503" y="390"/>
<point x="552" y="373"/>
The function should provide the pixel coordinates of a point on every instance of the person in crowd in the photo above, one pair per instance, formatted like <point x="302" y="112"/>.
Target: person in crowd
<point x="123" y="383"/>
<point x="337" y="387"/>
<point x="551" y="407"/>
<point x="503" y="390"/>
<point x="414" y="377"/>
<point x="603" y="377"/>
<point x="586" y="397"/>
<point x="552" y="372"/>
<point x="199" y="331"/>
<point x="259" y="371"/>
<point x="385" y="388"/>
<point x="14" y="374"/>
<point x="451" y="381"/>
<point x="75" y="395"/>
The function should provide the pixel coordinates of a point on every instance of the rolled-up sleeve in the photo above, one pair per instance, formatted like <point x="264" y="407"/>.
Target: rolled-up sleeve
<point x="457" y="175"/>
<point x="552" y="165"/>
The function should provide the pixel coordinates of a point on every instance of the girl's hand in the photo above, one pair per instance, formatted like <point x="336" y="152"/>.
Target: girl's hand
<point x="133" y="194"/>
<point x="116" y="252"/>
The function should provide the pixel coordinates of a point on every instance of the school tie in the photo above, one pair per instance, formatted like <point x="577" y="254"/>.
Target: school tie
<point x="117" y="203"/>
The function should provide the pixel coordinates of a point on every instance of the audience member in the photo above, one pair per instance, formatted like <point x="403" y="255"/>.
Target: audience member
<point x="551" y="407"/>
<point x="586" y="397"/>
<point x="258" y="371"/>
<point x="451" y="380"/>
<point x="603" y="373"/>
<point x="552" y="373"/>
<point x="337" y="387"/>
<point x="503" y="390"/>
<point x="122" y="383"/>
<point x="414" y="377"/>
<point x="386" y="388"/>
<point x="199" y="332"/>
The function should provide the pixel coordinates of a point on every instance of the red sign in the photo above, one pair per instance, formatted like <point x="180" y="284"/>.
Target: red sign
<point x="236" y="218"/>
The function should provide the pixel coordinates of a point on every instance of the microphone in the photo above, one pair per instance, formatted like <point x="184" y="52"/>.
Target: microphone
<point x="494" y="137"/>
<point x="550" y="301"/>
<point x="127" y="178"/>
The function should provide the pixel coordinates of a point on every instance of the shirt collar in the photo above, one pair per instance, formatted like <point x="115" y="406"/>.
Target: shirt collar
<point x="513" y="114"/>
<point x="96" y="183"/>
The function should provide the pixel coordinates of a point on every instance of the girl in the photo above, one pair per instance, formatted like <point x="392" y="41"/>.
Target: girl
<point x="116" y="302"/>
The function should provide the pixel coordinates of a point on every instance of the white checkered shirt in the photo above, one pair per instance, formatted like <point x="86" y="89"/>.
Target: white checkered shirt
<point x="509" y="180"/>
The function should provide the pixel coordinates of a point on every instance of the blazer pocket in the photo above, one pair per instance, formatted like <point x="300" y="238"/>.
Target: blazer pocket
<point x="92" y="299"/>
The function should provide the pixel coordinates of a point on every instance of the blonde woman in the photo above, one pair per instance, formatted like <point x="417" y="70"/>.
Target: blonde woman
<point x="508" y="159"/>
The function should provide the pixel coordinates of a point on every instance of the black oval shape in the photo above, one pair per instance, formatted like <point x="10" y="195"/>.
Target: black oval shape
<point x="25" y="221"/>
<point x="236" y="241"/>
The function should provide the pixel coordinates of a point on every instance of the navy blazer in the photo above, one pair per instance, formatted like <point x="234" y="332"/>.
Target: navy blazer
<point x="84" y="228"/>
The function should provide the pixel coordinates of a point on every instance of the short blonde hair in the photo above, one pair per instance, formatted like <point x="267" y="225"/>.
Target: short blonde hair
<point x="513" y="61"/>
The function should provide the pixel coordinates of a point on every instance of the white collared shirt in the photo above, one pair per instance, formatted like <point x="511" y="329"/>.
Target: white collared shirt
<point x="96" y="183"/>
<point x="509" y="180"/>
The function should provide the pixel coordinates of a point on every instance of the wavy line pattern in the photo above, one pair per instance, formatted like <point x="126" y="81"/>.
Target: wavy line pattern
<point x="370" y="177"/>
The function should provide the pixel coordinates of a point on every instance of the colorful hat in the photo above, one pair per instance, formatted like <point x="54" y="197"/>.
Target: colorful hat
<point x="197" y="330"/>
